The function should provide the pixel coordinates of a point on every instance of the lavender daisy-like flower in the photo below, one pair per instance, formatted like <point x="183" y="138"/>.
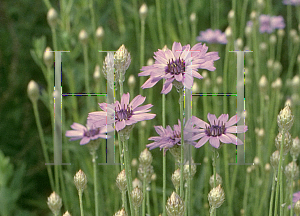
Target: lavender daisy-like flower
<point x="296" y="197"/>
<point x="212" y="36"/>
<point x="178" y="66"/>
<point x="90" y="132"/>
<point x="218" y="130"/>
<point x="122" y="114"/>
<point x="269" y="24"/>
<point x="291" y="2"/>
<point x="169" y="138"/>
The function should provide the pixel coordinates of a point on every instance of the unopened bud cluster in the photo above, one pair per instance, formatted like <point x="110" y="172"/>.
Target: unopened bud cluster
<point x="218" y="180"/>
<point x="285" y="119"/>
<point x="54" y="203"/>
<point x="297" y="207"/>
<point x="67" y="214"/>
<point x="274" y="159"/>
<point x="186" y="169"/>
<point x="216" y="197"/>
<point x="145" y="158"/>
<point x="121" y="212"/>
<point x="80" y="180"/>
<point x="287" y="142"/>
<point x="122" y="61"/>
<point x="175" y="205"/>
<point x="145" y="170"/>
<point x="137" y="197"/>
<point x="121" y="181"/>
<point x="33" y="91"/>
<point x="295" y="149"/>
<point x="176" y="179"/>
<point x="292" y="171"/>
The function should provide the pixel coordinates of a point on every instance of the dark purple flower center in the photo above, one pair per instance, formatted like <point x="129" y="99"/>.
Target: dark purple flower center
<point x="176" y="67"/>
<point x="123" y="114"/>
<point x="92" y="132"/>
<point x="215" y="129"/>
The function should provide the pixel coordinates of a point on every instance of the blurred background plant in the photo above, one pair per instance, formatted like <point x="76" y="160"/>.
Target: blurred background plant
<point x="27" y="28"/>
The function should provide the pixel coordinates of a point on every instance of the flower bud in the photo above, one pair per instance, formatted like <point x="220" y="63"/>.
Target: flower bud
<point x="228" y="33"/>
<point x="122" y="61"/>
<point x="175" y="205"/>
<point x="186" y="169"/>
<point x="83" y="37"/>
<point x="256" y="161"/>
<point x="153" y="177"/>
<point x="176" y="178"/>
<point x="97" y="73"/>
<point x="274" y="159"/>
<point x="298" y="59"/>
<point x="267" y="167"/>
<point x="285" y="119"/>
<point x="280" y="33"/>
<point x="263" y="46"/>
<point x="150" y="62"/>
<point x="145" y="172"/>
<point x="297" y="207"/>
<point x="219" y="80"/>
<point x="143" y="11"/>
<point x="131" y="81"/>
<point x="270" y="64"/>
<point x="137" y="183"/>
<point x="121" y="181"/>
<point x="263" y="84"/>
<point x="293" y="33"/>
<point x="100" y="33"/>
<point x="287" y="143"/>
<point x="80" y="180"/>
<point x="121" y="212"/>
<point x="295" y="82"/>
<point x="253" y="16"/>
<point x="195" y="88"/>
<point x="239" y="44"/>
<point x="273" y="39"/>
<point x="33" y="91"/>
<point x="277" y="84"/>
<point x="218" y="180"/>
<point x="48" y="57"/>
<point x="292" y="169"/>
<point x="145" y="158"/>
<point x="216" y="197"/>
<point x="137" y="197"/>
<point x="193" y="17"/>
<point x="296" y="39"/>
<point x="54" y="203"/>
<point x="295" y="149"/>
<point x="52" y="17"/>
<point x="249" y="169"/>
<point x="134" y="162"/>
<point x="231" y="16"/>
<point x="67" y="214"/>
<point x="248" y="31"/>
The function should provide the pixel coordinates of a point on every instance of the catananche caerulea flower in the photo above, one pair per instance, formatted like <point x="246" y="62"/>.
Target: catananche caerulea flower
<point x="291" y="2"/>
<point x="178" y="66"/>
<point x="269" y="23"/>
<point x="218" y="130"/>
<point x="169" y="138"/>
<point x="212" y="36"/>
<point x="122" y="114"/>
<point x="90" y="132"/>
<point x="296" y="197"/>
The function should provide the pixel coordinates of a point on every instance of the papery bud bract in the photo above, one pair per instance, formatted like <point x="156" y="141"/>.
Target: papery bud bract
<point x="193" y="17"/>
<point x="137" y="197"/>
<point x="54" y="203"/>
<point x="145" y="158"/>
<point x="33" y="91"/>
<point x="216" y="197"/>
<point x="291" y="169"/>
<point x="137" y="183"/>
<point x="121" y="212"/>
<point x="285" y="119"/>
<point x="80" y="180"/>
<point x="218" y="180"/>
<point x="143" y="11"/>
<point x="121" y="181"/>
<point x="176" y="178"/>
<point x="122" y="60"/>
<point x="147" y="171"/>
<point x="175" y="205"/>
<point x="186" y="169"/>
<point x="67" y="214"/>
<point x="287" y="143"/>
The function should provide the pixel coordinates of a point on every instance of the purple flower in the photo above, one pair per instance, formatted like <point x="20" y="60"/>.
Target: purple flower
<point x="218" y="130"/>
<point x="122" y="114"/>
<point x="291" y="2"/>
<point x="212" y="36"/>
<point x="169" y="138"/>
<point x="296" y="197"/>
<point x="178" y="66"/>
<point x="90" y="132"/>
<point x="269" y="24"/>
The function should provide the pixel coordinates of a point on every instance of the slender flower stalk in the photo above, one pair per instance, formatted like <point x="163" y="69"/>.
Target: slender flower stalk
<point x="181" y="98"/>
<point x="80" y="181"/>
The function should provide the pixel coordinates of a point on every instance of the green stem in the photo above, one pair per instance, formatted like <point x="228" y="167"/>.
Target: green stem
<point x="246" y="193"/>
<point x="136" y="211"/>
<point x="144" y="194"/>
<point x="272" y="195"/>
<point x="44" y="147"/>
<point x="182" y="143"/>
<point x="54" y="40"/>
<point x="80" y="202"/>
<point x="124" y="203"/>
<point x="212" y="211"/>
<point x="142" y="50"/>
<point x="214" y="167"/>
<point x="86" y="79"/>
<point x="164" y="155"/>
<point x="289" y="27"/>
<point x="128" y="173"/>
<point x="279" y="178"/>
<point x="154" y="195"/>
<point x="91" y="5"/>
<point x="120" y="17"/>
<point x="94" y="157"/>
<point x="148" y="203"/>
<point x="186" y="32"/>
<point x="291" y="187"/>
<point x="292" y="60"/>
<point x="159" y="22"/>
